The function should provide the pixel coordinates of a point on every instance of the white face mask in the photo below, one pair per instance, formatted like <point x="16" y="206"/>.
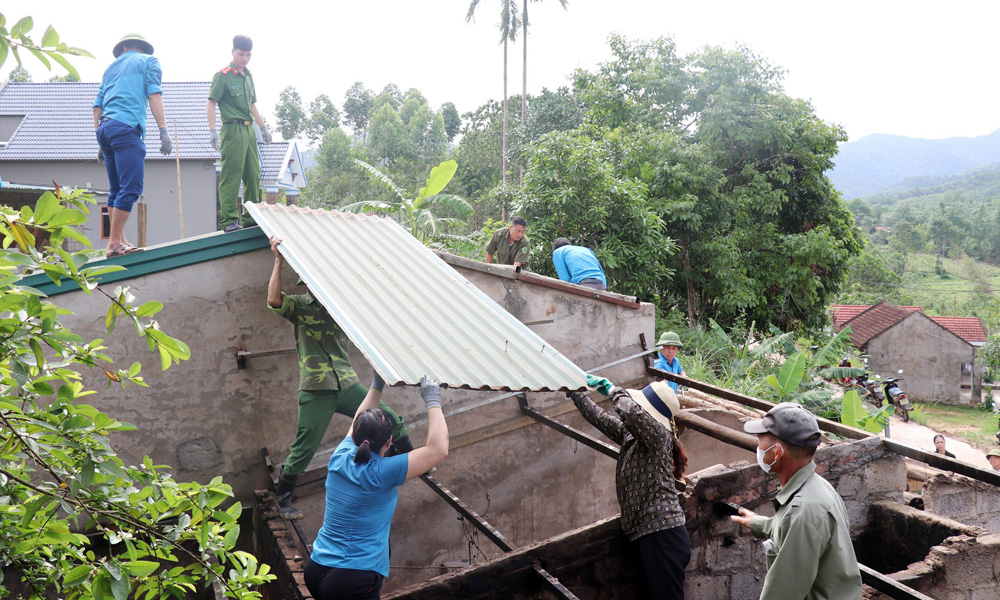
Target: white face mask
<point x="766" y="467"/>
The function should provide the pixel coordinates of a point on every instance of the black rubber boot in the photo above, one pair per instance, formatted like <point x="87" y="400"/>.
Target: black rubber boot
<point x="400" y="446"/>
<point x="283" y="495"/>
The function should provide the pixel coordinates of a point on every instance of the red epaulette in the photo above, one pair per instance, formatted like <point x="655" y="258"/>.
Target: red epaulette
<point x="226" y="70"/>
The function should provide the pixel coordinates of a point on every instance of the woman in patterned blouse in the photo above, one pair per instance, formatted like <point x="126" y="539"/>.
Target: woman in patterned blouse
<point x="650" y="461"/>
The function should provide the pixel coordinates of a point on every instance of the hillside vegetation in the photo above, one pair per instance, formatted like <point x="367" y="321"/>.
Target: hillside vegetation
<point x="877" y="162"/>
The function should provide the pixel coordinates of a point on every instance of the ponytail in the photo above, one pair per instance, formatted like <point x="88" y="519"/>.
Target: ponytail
<point x="364" y="453"/>
<point x="680" y="457"/>
<point x="371" y="430"/>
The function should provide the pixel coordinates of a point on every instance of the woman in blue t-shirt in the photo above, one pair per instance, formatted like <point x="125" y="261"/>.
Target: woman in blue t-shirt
<point x="351" y="555"/>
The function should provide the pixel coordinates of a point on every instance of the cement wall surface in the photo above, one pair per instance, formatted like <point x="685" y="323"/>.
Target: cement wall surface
<point x="207" y="418"/>
<point x="963" y="499"/>
<point x="930" y="356"/>
<point x="159" y="194"/>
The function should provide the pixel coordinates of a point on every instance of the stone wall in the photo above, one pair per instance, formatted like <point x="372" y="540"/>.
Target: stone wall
<point x="963" y="499"/>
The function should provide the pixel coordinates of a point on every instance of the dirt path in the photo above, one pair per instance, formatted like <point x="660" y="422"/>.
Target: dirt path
<point x="921" y="437"/>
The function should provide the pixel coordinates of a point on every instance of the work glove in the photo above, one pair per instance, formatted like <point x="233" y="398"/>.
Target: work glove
<point x="215" y="139"/>
<point x="100" y="157"/>
<point x="377" y="382"/>
<point x="601" y="384"/>
<point x="265" y="135"/>
<point x="165" y="145"/>
<point x="430" y="391"/>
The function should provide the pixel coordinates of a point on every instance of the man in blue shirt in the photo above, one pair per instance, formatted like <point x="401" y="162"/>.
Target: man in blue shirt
<point x="120" y="120"/>
<point x="577" y="264"/>
<point x="667" y="360"/>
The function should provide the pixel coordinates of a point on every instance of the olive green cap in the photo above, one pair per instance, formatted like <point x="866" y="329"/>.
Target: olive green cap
<point x="993" y="452"/>
<point x="669" y="338"/>
<point x="137" y="40"/>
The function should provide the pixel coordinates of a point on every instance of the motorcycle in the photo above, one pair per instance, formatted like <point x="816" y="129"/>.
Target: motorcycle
<point x="888" y="389"/>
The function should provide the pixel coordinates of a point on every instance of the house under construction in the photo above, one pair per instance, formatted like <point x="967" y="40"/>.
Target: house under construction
<point x="525" y="505"/>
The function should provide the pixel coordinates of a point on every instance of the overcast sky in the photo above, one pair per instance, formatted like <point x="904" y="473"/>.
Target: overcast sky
<point x="918" y="68"/>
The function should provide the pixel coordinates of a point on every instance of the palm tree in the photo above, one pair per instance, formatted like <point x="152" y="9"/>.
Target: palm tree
<point x="524" y="70"/>
<point x="417" y="214"/>
<point x="508" y="32"/>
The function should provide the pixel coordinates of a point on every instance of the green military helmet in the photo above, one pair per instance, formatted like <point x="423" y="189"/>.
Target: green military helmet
<point x="137" y="40"/>
<point x="669" y="338"/>
<point x="993" y="452"/>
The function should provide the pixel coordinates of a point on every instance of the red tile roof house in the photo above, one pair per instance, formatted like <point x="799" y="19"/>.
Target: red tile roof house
<point x="935" y="353"/>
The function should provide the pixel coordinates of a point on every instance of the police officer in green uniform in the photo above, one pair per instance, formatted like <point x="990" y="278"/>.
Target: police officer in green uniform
<point x="510" y="245"/>
<point x="233" y="91"/>
<point x="327" y="382"/>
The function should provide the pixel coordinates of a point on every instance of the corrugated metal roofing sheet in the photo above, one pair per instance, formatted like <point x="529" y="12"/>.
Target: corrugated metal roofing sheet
<point x="408" y="312"/>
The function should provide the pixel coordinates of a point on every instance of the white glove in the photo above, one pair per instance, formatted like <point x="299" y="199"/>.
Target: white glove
<point x="215" y="138"/>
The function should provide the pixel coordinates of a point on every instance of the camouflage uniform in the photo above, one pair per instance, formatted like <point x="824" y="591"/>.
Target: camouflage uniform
<point x="327" y="381"/>
<point x="505" y="253"/>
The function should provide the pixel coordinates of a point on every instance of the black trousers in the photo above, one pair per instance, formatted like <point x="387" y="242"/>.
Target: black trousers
<point x="331" y="583"/>
<point x="665" y="554"/>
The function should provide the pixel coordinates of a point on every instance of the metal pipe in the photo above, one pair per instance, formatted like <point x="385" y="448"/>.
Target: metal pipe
<point x="888" y="586"/>
<point x="716" y="431"/>
<point x="576" y="434"/>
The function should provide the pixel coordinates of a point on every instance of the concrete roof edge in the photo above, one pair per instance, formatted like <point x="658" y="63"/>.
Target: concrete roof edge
<point x="507" y="272"/>
<point x="164" y="257"/>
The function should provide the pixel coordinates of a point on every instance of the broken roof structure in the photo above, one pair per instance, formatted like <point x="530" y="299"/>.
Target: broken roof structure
<point x="408" y="312"/>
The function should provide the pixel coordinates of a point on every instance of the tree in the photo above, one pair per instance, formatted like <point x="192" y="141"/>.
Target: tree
<point x="386" y="137"/>
<point x="452" y="122"/>
<point x="358" y="104"/>
<point x="19" y="75"/>
<point x="59" y="475"/>
<point x="735" y="169"/>
<point x="572" y="189"/>
<point x="68" y="78"/>
<point x="51" y="48"/>
<point x="334" y="179"/>
<point x="417" y="214"/>
<point x="289" y="114"/>
<point x="524" y="54"/>
<point x="508" y="32"/>
<point x="323" y="116"/>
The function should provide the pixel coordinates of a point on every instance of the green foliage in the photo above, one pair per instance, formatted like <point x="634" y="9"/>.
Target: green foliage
<point x="323" y="116"/>
<point x="854" y="413"/>
<point x="19" y="75"/>
<point x="289" y="114"/>
<point x="64" y="493"/>
<point x="452" y="122"/>
<point x="358" y="104"/>
<point x="418" y="214"/>
<point x="16" y="39"/>
<point x="572" y="190"/>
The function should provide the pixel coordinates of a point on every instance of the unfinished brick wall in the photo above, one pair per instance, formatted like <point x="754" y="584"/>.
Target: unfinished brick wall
<point x="727" y="563"/>
<point x="598" y="562"/>
<point x="275" y="544"/>
<point x="964" y="500"/>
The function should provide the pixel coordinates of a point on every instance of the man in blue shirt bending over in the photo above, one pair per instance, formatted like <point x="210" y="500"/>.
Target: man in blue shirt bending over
<point x="667" y="359"/>
<point x="128" y="85"/>
<point x="577" y="264"/>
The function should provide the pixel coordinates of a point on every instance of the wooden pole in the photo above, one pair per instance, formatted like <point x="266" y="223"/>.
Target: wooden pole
<point x="180" y="199"/>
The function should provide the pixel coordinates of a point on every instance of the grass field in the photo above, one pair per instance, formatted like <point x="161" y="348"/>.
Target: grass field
<point x="945" y="294"/>
<point x="975" y="426"/>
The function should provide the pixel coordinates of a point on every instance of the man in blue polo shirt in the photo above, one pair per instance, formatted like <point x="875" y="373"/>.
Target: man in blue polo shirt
<point x="120" y="120"/>
<point x="577" y="264"/>
<point x="667" y="359"/>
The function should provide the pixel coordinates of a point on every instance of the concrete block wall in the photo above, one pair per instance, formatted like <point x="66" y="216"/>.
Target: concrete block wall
<point x="727" y="563"/>
<point x="963" y="568"/>
<point x="964" y="500"/>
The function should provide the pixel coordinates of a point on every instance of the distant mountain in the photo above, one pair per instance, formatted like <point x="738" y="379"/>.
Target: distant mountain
<point x="876" y="162"/>
<point x="974" y="187"/>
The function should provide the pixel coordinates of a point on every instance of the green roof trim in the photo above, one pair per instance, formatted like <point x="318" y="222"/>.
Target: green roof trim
<point x="164" y="257"/>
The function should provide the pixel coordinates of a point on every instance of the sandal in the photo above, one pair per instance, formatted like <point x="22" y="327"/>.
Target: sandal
<point x="122" y="250"/>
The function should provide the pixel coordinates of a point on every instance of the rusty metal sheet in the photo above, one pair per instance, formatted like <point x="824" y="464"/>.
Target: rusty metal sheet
<point x="408" y="311"/>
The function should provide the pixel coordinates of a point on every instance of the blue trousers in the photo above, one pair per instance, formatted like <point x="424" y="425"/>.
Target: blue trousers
<point x="124" y="157"/>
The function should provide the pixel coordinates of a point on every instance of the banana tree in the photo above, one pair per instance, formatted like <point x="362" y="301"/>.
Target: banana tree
<point x="854" y="413"/>
<point x="417" y="214"/>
